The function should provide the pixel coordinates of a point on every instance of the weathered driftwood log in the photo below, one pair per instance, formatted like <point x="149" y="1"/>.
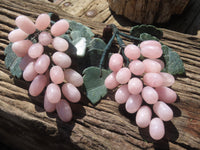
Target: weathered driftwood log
<point x="148" y="11"/>
<point x="24" y="124"/>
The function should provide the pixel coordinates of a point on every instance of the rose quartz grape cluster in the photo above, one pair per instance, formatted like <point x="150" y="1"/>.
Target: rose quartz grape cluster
<point x="47" y="70"/>
<point x="143" y="82"/>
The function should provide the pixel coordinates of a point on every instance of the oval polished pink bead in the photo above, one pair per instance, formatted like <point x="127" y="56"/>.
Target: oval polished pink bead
<point x="123" y="75"/>
<point x="137" y="67"/>
<point x="135" y="86"/>
<point x="133" y="103"/>
<point x="110" y="81"/>
<point x="53" y="93"/>
<point x="168" y="79"/>
<point x="152" y="66"/>
<point x="71" y="92"/>
<point x="150" y="42"/>
<point x="163" y="111"/>
<point x="156" y="129"/>
<point x="56" y="74"/>
<point x="29" y="72"/>
<point x="25" y="24"/>
<point x="42" y="64"/>
<point x="60" y="44"/>
<point x="149" y="95"/>
<point x="37" y="85"/>
<point x="115" y="62"/>
<point x="73" y="77"/>
<point x="45" y="38"/>
<point x="122" y="94"/>
<point x="60" y="27"/>
<point x="64" y="110"/>
<point x="143" y="116"/>
<point x="49" y="107"/>
<point x="17" y="35"/>
<point x="166" y="94"/>
<point x="61" y="59"/>
<point x="42" y="21"/>
<point x="132" y="51"/>
<point x="153" y="79"/>
<point x="20" y="48"/>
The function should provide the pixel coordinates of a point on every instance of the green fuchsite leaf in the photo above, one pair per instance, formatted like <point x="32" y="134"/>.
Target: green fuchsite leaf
<point x="146" y="36"/>
<point x="12" y="61"/>
<point x="95" y="51"/>
<point x="94" y="83"/>
<point x="174" y="64"/>
<point x="150" y="29"/>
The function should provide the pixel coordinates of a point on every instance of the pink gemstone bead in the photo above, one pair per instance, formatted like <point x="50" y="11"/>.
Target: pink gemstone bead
<point x="133" y="103"/>
<point x="53" y="93"/>
<point x="122" y="94"/>
<point x="60" y="27"/>
<point x="163" y="111"/>
<point x="64" y="110"/>
<point x="153" y="79"/>
<point x="137" y="67"/>
<point x="56" y="74"/>
<point x="71" y="92"/>
<point x="143" y="116"/>
<point x="42" y="21"/>
<point x="115" y="62"/>
<point x="156" y="129"/>
<point x="25" y="24"/>
<point x="110" y="81"/>
<point x="37" y="85"/>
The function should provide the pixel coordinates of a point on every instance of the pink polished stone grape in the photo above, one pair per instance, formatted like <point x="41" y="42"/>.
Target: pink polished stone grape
<point x="25" y="24"/>
<point x="24" y="62"/>
<point x="133" y="103"/>
<point x="35" y="50"/>
<point x="73" y="77"/>
<point x="153" y="79"/>
<point x="122" y="94"/>
<point x="17" y="35"/>
<point x="29" y="72"/>
<point x="168" y="79"/>
<point x="150" y="42"/>
<point x="151" y="49"/>
<point x="150" y="95"/>
<point x="37" y="85"/>
<point x="156" y="129"/>
<point x="64" y="110"/>
<point x="143" y="116"/>
<point x="163" y="111"/>
<point x="132" y="51"/>
<point x="115" y="62"/>
<point x="42" y="21"/>
<point x="53" y="93"/>
<point x="71" y="92"/>
<point x="56" y="74"/>
<point x="135" y="86"/>
<point x="20" y="48"/>
<point x="42" y="64"/>
<point x="123" y="75"/>
<point x="61" y="59"/>
<point x="137" y="67"/>
<point x="60" y="27"/>
<point x="45" y="38"/>
<point x="166" y="94"/>
<point x="110" y="81"/>
<point x="49" y="107"/>
<point x="60" y="44"/>
<point x="151" y="66"/>
<point x="162" y="64"/>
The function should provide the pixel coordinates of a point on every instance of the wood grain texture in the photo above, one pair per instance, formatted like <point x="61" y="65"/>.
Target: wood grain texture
<point x="25" y="125"/>
<point x="148" y="11"/>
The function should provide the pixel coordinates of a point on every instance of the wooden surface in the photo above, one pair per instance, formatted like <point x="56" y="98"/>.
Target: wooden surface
<point x="148" y="11"/>
<point x="25" y="125"/>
